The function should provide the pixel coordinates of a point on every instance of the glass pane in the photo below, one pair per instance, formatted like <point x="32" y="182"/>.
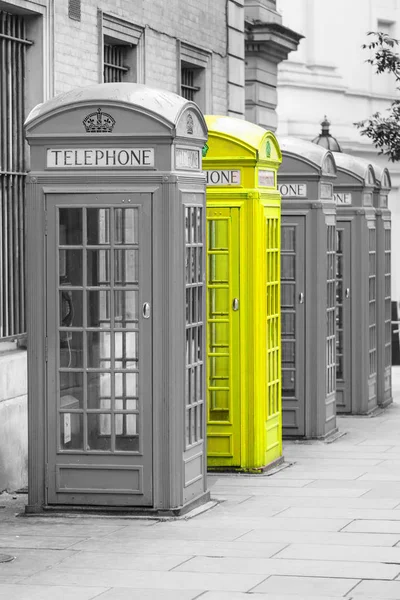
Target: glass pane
<point x="71" y="349"/>
<point x="70" y="265"/>
<point x="70" y="226"/>
<point x="126" y="226"/>
<point x="98" y="267"/>
<point x="126" y="385"/>
<point x="288" y="267"/>
<point x="288" y="382"/>
<point x="218" y="268"/>
<point x="126" y="308"/>
<point x="71" y="390"/>
<point x="218" y="235"/>
<point x="99" y="390"/>
<point x="71" y="431"/>
<point x="126" y="267"/>
<point x="70" y="311"/>
<point x="98" y="309"/>
<point x="219" y="302"/>
<point x="98" y="349"/>
<point x="127" y="433"/>
<point x="126" y="349"/>
<point x="99" y="431"/>
<point x="98" y="226"/>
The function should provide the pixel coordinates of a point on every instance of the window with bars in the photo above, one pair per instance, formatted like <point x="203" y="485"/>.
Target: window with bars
<point x="189" y="82"/>
<point x="372" y="300"/>
<point x="194" y="388"/>
<point x="13" y="46"/>
<point x="115" y="61"/>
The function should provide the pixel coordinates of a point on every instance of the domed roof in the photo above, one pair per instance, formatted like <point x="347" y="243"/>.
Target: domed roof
<point x="325" y="139"/>
<point x="161" y="102"/>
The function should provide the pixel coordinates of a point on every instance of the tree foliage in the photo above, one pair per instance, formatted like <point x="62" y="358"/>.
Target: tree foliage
<point x="384" y="131"/>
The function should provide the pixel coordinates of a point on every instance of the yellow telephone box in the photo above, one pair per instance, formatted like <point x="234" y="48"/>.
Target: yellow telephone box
<point x="244" y="416"/>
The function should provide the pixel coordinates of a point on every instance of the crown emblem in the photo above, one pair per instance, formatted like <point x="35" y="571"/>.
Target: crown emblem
<point x="189" y="124"/>
<point x="99" y="122"/>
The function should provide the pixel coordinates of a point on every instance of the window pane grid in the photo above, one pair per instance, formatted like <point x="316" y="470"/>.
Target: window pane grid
<point x="331" y="312"/>
<point x="273" y="333"/>
<point x="372" y="300"/>
<point x="102" y="391"/>
<point x="114" y="69"/>
<point x="194" y="354"/>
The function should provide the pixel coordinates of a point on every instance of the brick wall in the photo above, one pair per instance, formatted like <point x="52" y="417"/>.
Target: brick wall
<point x="201" y="24"/>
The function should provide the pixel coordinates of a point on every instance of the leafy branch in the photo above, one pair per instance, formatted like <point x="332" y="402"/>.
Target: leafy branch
<point x="384" y="131"/>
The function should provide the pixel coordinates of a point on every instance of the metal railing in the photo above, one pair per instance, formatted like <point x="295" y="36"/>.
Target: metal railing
<point x="13" y="44"/>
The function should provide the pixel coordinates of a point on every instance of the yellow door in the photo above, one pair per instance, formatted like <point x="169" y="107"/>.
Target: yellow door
<point x="223" y="347"/>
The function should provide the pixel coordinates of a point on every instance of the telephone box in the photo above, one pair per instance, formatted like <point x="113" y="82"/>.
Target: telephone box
<point x="356" y="324"/>
<point x="116" y="300"/>
<point x="244" y="430"/>
<point x="305" y="182"/>
<point x="383" y="287"/>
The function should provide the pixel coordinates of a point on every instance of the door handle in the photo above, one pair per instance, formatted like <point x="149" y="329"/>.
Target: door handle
<point x="347" y="293"/>
<point x="235" y="304"/>
<point x="301" y="298"/>
<point x="146" y="310"/>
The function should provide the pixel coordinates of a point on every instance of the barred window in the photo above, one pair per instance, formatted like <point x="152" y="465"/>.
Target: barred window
<point x="115" y="68"/>
<point x="13" y="45"/>
<point x="189" y="80"/>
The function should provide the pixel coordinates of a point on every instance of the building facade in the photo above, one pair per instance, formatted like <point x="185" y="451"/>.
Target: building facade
<point x="196" y="49"/>
<point x="329" y="75"/>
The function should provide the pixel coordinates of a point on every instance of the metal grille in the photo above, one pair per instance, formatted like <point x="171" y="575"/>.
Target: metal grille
<point x="372" y="300"/>
<point x="273" y="316"/>
<point x="388" y="300"/>
<point x="74" y="9"/>
<point x="330" y="311"/>
<point x="188" y="81"/>
<point x="114" y="57"/>
<point x="13" y="44"/>
<point x="194" y="391"/>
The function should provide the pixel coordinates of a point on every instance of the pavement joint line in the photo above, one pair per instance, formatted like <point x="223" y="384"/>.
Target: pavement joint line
<point x="249" y="591"/>
<point x="242" y="535"/>
<point x="362" y="475"/>
<point x="200" y="595"/>
<point x="279" y="551"/>
<point x="105" y="592"/>
<point x="181" y="563"/>
<point x="353" y="588"/>
<point x="347" y="524"/>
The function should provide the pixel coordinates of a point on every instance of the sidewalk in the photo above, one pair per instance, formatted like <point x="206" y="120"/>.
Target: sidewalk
<point x="326" y="526"/>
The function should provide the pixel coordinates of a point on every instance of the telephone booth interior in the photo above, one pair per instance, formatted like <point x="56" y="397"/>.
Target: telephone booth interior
<point x="356" y="286"/>
<point x="243" y="288"/>
<point x="305" y="182"/>
<point x="116" y="377"/>
<point x="383" y="287"/>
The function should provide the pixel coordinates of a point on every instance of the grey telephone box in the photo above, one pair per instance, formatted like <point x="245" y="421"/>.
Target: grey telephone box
<point x="356" y="324"/>
<point x="116" y="300"/>
<point x="305" y="181"/>
<point x="383" y="287"/>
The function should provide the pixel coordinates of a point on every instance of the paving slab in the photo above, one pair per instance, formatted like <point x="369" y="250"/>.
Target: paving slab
<point x="342" y="538"/>
<point x="38" y="541"/>
<point x="138" y="580"/>
<point x="303" y="586"/>
<point x="239" y="596"/>
<point x="301" y="568"/>
<point x="29" y="561"/>
<point x="348" y="553"/>
<point x="373" y="526"/>
<point x="43" y="592"/>
<point x="379" y="590"/>
<point x="339" y="513"/>
<point x="130" y="594"/>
